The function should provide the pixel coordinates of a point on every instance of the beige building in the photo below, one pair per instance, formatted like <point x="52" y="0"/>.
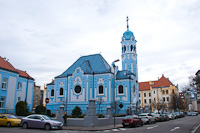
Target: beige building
<point x="157" y="91"/>
<point x="37" y="96"/>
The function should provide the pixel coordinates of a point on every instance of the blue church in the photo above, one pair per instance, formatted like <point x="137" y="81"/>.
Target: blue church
<point x="91" y="77"/>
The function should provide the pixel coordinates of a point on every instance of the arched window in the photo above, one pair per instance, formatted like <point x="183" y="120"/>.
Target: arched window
<point x="100" y="89"/>
<point x="124" y="48"/>
<point x="120" y="89"/>
<point x="52" y="92"/>
<point x="131" y="47"/>
<point x="77" y="89"/>
<point x="134" y="48"/>
<point x="134" y="89"/>
<point x="61" y="91"/>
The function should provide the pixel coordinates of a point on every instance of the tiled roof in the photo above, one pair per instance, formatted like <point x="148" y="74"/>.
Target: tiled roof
<point x="4" y="64"/>
<point x="23" y="74"/>
<point x="162" y="82"/>
<point x="89" y="64"/>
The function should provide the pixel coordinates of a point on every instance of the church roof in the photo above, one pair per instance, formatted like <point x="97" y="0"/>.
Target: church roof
<point x="124" y="74"/>
<point x="4" y="64"/>
<point x="89" y="64"/>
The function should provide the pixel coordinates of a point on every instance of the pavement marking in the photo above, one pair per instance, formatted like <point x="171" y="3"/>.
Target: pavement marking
<point x="115" y="130"/>
<point x="195" y="129"/>
<point x="174" y="128"/>
<point x="152" y="127"/>
<point x="122" y="128"/>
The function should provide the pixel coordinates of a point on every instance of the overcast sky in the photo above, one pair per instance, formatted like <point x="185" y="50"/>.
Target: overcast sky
<point x="45" y="37"/>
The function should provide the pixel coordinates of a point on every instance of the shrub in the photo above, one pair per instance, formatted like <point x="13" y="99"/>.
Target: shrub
<point x="40" y="109"/>
<point x="48" y="112"/>
<point x="76" y="112"/>
<point x="21" y="109"/>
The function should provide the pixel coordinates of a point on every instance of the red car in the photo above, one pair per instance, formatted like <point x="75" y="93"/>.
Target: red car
<point x="132" y="120"/>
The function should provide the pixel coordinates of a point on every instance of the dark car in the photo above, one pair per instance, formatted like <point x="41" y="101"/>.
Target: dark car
<point x="132" y="120"/>
<point x="159" y="117"/>
<point x="166" y="118"/>
<point x="40" y="121"/>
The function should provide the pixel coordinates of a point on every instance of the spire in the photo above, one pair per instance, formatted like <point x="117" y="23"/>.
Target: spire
<point x="127" y="24"/>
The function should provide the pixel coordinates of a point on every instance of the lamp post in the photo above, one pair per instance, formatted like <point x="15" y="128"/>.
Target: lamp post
<point x="113" y="64"/>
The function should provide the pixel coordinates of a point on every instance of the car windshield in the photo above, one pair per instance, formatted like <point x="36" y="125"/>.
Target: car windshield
<point x="128" y="117"/>
<point x="46" y="117"/>
<point x="142" y="115"/>
<point x="11" y="116"/>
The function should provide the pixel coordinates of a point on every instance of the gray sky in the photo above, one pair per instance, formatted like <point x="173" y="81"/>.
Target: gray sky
<point x="45" y="37"/>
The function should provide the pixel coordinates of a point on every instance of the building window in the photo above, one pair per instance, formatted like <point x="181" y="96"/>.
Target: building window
<point x="163" y="91"/>
<point x="145" y="101"/>
<point x="100" y="89"/>
<point x="154" y="92"/>
<point x="77" y="89"/>
<point x="149" y="100"/>
<point x="2" y="102"/>
<point x="154" y="99"/>
<point x="4" y="83"/>
<point x="139" y="101"/>
<point x="168" y="99"/>
<point x="120" y="89"/>
<point x="134" y="89"/>
<point x="19" y="85"/>
<point x="61" y="91"/>
<point x="52" y="92"/>
<point x="149" y="93"/>
<point x="139" y="94"/>
<point x="167" y="92"/>
<point x="163" y="99"/>
<point x="173" y="91"/>
<point x="144" y="94"/>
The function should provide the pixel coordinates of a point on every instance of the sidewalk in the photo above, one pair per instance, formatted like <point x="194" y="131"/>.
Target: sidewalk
<point x="98" y="128"/>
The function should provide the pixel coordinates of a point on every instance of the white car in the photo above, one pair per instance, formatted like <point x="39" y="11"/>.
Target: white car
<point x="147" y="118"/>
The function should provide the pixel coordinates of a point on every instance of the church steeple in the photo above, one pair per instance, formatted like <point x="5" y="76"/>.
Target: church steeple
<point x="129" y="55"/>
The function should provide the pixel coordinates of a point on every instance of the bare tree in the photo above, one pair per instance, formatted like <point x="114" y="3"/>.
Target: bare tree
<point x="160" y="105"/>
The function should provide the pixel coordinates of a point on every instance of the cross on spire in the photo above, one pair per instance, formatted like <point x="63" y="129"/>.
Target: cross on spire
<point x="127" y="23"/>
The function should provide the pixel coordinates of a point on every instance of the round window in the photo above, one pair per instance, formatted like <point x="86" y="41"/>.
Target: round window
<point x="77" y="89"/>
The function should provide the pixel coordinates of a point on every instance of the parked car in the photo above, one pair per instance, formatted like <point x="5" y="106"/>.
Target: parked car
<point x="9" y="120"/>
<point x="40" y="121"/>
<point x="182" y="114"/>
<point x="149" y="118"/>
<point x="170" y="115"/>
<point x="177" y="114"/>
<point x="158" y="117"/>
<point x="192" y="113"/>
<point x="132" y="120"/>
<point x="166" y="118"/>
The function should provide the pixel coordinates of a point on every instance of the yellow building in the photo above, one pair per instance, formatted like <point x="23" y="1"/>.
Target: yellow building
<point x="156" y="92"/>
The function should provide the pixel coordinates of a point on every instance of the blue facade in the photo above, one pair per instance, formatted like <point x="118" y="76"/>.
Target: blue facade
<point x="14" y="88"/>
<point x="91" y="77"/>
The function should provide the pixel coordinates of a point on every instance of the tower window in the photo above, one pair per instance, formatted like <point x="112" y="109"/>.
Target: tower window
<point x="100" y="89"/>
<point x="120" y="89"/>
<point x="131" y="47"/>
<point x="124" y="48"/>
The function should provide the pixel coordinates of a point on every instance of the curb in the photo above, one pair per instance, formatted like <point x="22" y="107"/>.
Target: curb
<point x="195" y="128"/>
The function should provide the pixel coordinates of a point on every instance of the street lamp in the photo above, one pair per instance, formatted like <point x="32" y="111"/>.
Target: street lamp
<point x="113" y="64"/>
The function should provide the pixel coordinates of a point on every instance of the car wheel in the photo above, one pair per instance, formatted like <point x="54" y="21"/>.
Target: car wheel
<point x="124" y="126"/>
<point x="25" y="125"/>
<point x="47" y="127"/>
<point x="8" y="124"/>
<point x="141" y="124"/>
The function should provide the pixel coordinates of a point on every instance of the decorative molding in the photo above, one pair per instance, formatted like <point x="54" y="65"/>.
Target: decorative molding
<point x="100" y="81"/>
<point x="77" y="80"/>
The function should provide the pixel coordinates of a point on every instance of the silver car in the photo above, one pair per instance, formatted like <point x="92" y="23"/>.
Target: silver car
<point x="40" y="121"/>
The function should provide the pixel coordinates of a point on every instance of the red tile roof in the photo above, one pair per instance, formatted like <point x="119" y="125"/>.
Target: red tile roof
<point x="4" y="64"/>
<point x="162" y="82"/>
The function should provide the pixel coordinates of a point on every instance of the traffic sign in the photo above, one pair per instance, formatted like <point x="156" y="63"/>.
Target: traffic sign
<point x="47" y="100"/>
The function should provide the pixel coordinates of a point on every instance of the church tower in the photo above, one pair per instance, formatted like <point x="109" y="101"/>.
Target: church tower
<point x="129" y="54"/>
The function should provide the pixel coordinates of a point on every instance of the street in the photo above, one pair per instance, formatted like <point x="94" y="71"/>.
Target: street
<point x="181" y="125"/>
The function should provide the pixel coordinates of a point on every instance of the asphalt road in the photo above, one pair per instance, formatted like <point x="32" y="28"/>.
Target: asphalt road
<point x="181" y="125"/>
